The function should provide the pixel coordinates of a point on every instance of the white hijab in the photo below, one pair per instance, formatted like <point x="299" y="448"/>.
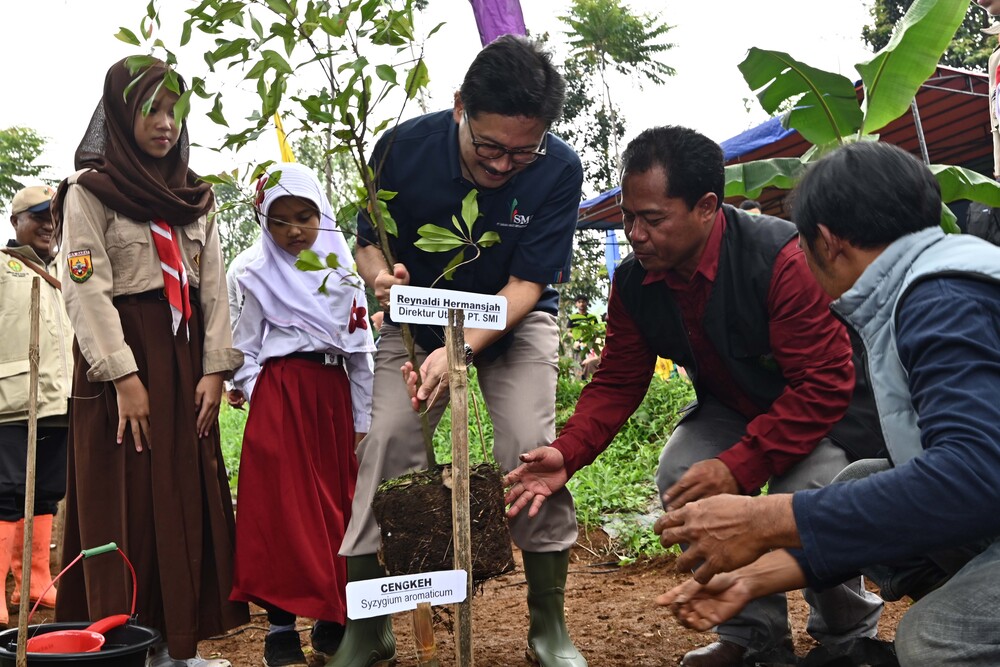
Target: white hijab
<point x="290" y="297"/>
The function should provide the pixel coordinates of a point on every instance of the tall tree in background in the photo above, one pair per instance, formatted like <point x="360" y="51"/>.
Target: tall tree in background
<point x="235" y="218"/>
<point x="970" y="49"/>
<point x="19" y="148"/>
<point x="605" y="38"/>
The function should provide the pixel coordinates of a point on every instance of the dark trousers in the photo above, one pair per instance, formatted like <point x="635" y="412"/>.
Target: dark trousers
<point x="50" y="469"/>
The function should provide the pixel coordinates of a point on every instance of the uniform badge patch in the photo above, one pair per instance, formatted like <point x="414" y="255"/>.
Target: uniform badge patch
<point x="81" y="267"/>
<point x="15" y="266"/>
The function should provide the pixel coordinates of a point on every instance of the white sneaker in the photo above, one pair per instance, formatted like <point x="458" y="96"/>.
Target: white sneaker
<point x="198" y="661"/>
<point x="158" y="657"/>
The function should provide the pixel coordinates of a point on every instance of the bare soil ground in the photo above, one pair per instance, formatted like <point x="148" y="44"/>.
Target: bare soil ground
<point x="610" y="611"/>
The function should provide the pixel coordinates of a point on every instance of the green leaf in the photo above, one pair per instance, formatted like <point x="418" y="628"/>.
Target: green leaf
<point x="470" y="209"/>
<point x="215" y="115"/>
<point x="148" y="104"/>
<point x="260" y="169"/>
<point x="332" y="261"/>
<point x="436" y="28"/>
<point x="182" y="106"/>
<point x="274" y="60"/>
<point x="417" y="78"/>
<point x="257" y="28"/>
<point x="214" y="180"/>
<point x="131" y="85"/>
<point x="449" y="269"/>
<point x="893" y="76"/>
<point x="949" y="223"/>
<point x="335" y="27"/>
<point x="437" y="239"/>
<point x="961" y="183"/>
<point x="347" y="215"/>
<point x="828" y="107"/>
<point x="747" y="179"/>
<point x="387" y="219"/>
<point x="386" y="73"/>
<point x="386" y="195"/>
<point x="186" y="32"/>
<point x="309" y="261"/>
<point x="127" y="36"/>
<point x="322" y="286"/>
<point x="136" y="63"/>
<point x="488" y="239"/>
<point x="281" y="7"/>
<point x="172" y="82"/>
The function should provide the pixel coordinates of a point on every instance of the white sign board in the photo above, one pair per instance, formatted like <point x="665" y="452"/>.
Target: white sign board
<point x="389" y="595"/>
<point x="422" y="305"/>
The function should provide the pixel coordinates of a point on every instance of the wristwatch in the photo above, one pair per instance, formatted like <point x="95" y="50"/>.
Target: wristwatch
<point x="468" y="355"/>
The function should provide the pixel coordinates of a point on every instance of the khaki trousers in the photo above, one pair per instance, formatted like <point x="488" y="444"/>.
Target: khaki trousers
<point x="520" y="392"/>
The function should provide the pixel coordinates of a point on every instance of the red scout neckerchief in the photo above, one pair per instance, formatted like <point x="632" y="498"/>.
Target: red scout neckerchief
<point x="175" y="281"/>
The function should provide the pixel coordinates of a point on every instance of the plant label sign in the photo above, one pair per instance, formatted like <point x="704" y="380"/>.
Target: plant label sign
<point x="422" y="305"/>
<point x="389" y="595"/>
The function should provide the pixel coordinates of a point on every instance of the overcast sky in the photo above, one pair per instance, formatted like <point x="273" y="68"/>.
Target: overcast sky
<point x="56" y="52"/>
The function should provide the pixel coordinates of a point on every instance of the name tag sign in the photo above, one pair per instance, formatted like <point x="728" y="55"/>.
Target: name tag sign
<point x="389" y="595"/>
<point x="421" y="305"/>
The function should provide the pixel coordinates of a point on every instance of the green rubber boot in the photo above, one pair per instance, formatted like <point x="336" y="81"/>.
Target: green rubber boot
<point x="549" y="644"/>
<point x="368" y="642"/>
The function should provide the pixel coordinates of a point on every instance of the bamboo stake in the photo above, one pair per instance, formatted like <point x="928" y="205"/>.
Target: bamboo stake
<point x="29" y="478"/>
<point x="461" y="523"/>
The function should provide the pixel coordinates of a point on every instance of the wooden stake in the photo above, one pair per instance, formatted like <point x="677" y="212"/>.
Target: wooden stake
<point x="29" y="478"/>
<point x="458" y="382"/>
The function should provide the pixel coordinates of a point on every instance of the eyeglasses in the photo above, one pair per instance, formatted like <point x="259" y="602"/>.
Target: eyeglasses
<point x="490" y="151"/>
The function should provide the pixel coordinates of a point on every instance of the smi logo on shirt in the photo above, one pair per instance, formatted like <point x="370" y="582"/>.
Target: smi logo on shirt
<point x="515" y="218"/>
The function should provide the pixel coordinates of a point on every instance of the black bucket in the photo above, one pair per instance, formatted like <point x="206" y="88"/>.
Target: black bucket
<point x="125" y="646"/>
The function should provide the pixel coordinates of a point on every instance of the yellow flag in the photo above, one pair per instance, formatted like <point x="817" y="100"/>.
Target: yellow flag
<point x="286" y="151"/>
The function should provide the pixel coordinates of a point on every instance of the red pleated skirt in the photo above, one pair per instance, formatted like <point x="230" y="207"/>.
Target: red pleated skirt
<point x="297" y="474"/>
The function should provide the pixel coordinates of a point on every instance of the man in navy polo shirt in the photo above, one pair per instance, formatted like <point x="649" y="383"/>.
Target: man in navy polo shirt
<point x="495" y="140"/>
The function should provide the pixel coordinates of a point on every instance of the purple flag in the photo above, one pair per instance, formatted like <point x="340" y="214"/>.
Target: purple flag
<point x="497" y="17"/>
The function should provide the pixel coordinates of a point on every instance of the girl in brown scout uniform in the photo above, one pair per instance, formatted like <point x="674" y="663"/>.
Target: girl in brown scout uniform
<point x="147" y="299"/>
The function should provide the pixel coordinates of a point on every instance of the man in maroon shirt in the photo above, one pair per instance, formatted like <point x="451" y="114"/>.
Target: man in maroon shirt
<point x="728" y="296"/>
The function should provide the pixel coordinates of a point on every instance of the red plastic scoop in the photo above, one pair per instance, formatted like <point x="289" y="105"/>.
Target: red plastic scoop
<point x="88" y="640"/>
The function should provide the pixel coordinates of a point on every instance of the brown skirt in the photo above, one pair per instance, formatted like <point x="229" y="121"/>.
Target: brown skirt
<point x="167" y="507"/>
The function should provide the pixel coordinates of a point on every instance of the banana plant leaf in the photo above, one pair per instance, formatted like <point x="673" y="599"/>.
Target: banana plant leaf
<point x="748" y="179"/>
<point x="893" y="76"/>
<point x="961" y="183"/>
<point x="828" y="107"/>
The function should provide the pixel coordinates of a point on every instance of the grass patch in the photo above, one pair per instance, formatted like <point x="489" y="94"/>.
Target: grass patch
<point x="231" y="423"/>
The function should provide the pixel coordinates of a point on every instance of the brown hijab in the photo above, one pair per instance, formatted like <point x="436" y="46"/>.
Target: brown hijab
<point x="123" y="176"/>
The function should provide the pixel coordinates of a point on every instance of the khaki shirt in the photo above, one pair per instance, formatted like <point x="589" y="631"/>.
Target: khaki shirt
<point x="110" y="255"/>
<point x="55" y="340"/>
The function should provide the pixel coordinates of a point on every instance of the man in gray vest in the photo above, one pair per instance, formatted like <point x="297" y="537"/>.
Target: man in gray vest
<point x="728" y="296"/>
<point x="925" y="523"/>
